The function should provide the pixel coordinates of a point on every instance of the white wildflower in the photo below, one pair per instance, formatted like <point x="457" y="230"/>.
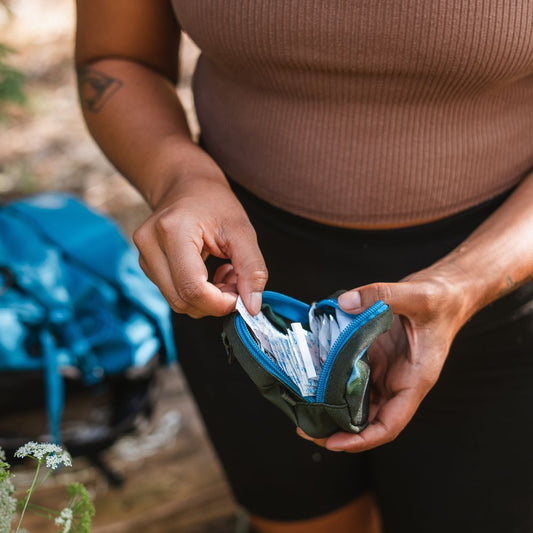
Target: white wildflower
<point x="55" y="456"/>
<point x="37" y="450"/>
<point x="8" y="505"/>
<point x="65" y="519"/>
<point x="56" y="459"/>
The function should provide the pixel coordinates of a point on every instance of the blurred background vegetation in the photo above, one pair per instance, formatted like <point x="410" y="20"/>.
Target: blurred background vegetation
<point x="173" y="480"/>
<point x="11" y="81"/>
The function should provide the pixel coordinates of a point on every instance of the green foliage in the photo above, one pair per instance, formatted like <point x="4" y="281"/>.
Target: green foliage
<point x="11" y="80"/>
<point x="8" y="504"/>
<point x="76" y="517"/>
<point x="82" y="508"/>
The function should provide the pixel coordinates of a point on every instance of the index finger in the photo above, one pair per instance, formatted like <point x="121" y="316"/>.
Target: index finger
<point x="190" y="278"/>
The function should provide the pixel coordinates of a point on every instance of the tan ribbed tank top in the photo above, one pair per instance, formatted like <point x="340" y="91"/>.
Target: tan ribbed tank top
<point x="366" y="113"/>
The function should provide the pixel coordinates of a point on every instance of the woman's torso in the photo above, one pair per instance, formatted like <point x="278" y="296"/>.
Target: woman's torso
<point x="366" y="114"/>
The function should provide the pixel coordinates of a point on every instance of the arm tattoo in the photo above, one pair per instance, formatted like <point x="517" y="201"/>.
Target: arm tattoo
<point x="96" y="88"/>
<point x="511" y="285"/>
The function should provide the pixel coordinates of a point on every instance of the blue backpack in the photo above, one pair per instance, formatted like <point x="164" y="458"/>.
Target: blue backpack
<point x="73" y="301"/>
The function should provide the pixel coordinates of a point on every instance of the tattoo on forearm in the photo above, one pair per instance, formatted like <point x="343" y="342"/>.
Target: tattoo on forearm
<point x="96" y="88"/>
<point x="511" y="285"/>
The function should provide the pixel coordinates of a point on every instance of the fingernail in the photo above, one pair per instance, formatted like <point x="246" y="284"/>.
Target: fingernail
<point x="350" y="300"/>
<point x="255" y="302"/>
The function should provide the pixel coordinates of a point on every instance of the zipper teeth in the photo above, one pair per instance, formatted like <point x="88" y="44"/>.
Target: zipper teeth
<point x="326" y="302"/>
<point x="277" y="372"/>
<point x="363" y="318"/>
<point x="264" y="360"/>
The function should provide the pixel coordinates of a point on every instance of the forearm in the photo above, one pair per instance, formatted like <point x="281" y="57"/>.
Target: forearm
<point x="433" y="304"/>
<point x="136" y="118"/>
<point x="498" y="256"/>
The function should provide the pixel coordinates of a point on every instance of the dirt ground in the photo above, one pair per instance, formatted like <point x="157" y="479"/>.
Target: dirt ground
<point x="173" y="480"/>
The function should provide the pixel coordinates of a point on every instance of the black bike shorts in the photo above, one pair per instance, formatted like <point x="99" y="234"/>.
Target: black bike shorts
<point x="465" y="461"/>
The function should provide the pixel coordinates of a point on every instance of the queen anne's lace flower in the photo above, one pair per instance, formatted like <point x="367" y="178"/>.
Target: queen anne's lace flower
<point x="56" y="459"/>
<point x="8" y="504"/>
<point x="55" y="456"/>
<point x="65" y="519"/>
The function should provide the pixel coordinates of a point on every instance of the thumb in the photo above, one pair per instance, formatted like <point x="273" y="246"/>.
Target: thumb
<point x="398" y="296"/>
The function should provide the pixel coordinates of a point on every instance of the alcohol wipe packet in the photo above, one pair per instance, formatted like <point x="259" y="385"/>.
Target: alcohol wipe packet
<point x="309" y="360"/>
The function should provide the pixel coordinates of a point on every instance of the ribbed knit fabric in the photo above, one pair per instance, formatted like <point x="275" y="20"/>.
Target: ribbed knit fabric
<point x="364" y="114"/>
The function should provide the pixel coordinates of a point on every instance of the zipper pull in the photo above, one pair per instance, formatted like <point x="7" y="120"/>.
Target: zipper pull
<point x="288" y="398"/>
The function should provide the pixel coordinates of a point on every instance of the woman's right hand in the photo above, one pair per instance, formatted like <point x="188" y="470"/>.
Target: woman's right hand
<point x="127" y="59"/>
<point x="199" y="215"/>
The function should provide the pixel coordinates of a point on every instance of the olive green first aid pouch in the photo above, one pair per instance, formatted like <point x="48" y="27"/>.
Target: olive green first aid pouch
<point x="340" y="396"/>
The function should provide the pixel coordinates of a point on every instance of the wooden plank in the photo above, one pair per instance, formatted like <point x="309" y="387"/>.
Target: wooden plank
<point x="179" y="488"/>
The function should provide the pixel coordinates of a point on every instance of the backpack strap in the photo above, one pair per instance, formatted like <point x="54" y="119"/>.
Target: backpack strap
<point x="54" y="384"/>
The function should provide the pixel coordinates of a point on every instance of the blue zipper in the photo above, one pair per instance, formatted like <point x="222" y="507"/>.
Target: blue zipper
<point x="271" y="367"/>
<point x="328" y="302"/>
<point x="265" y="361"/>
<point x="359" y="321"/>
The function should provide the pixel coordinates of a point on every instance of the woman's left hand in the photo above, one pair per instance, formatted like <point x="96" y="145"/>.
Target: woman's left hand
<point x="429" y="308"/>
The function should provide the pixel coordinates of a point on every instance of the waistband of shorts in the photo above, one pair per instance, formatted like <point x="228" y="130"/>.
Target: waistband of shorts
<point x="462" y="223"/>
